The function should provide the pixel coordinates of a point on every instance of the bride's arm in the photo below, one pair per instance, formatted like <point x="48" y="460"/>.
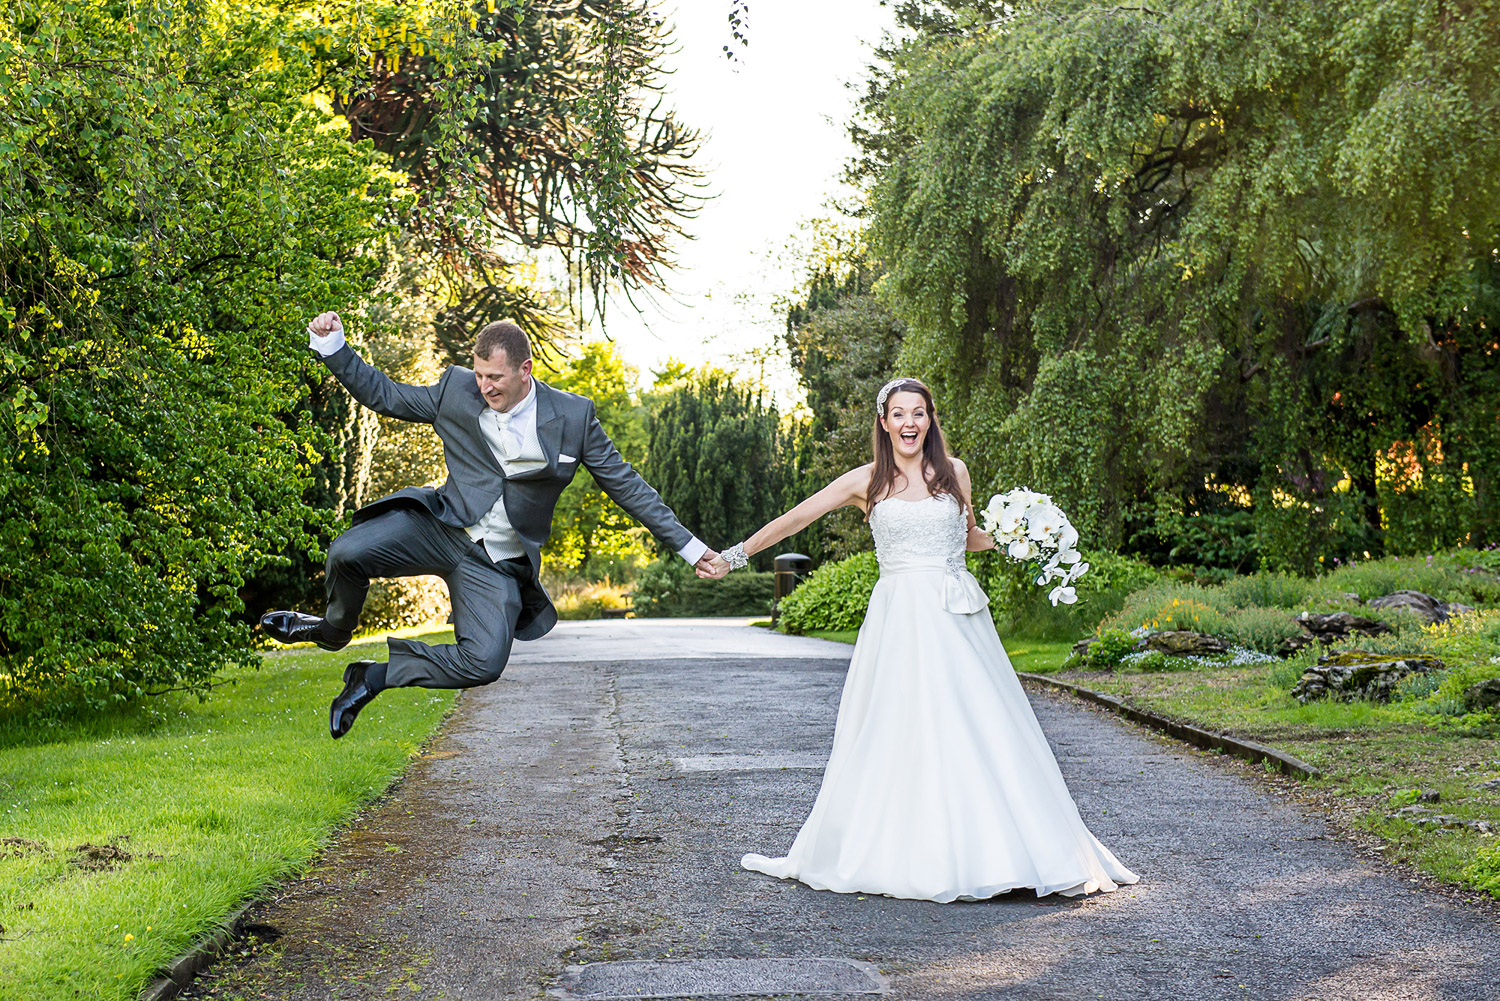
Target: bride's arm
<point x="979" y="539"/>
<point x="847" y="489"/>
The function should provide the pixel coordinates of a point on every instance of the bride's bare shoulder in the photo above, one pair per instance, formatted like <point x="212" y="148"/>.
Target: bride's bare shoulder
<point x="856" y="481"/>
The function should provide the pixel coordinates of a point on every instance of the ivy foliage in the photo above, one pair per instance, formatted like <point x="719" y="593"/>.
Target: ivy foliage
<point x="1231" y="260"/>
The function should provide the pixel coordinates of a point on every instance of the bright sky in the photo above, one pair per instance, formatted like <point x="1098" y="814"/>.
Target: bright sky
<point x="775" y="150"/>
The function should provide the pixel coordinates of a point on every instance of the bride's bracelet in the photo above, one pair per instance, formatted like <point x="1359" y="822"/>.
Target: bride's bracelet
<point x="735" y="556"/>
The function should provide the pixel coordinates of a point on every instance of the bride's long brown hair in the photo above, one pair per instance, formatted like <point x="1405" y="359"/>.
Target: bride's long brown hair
<point x="937" y="468"/>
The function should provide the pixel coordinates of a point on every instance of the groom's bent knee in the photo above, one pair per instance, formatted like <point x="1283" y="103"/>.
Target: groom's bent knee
<point x="344" y="553"/>
<point x="483" y="663"/>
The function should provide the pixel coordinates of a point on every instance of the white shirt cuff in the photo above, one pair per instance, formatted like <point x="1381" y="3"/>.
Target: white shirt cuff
<point x="329" y="345"/>
<point x="694" y="550"/>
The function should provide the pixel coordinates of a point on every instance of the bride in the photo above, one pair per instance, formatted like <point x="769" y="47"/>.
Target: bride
<point x="940" y="785"/>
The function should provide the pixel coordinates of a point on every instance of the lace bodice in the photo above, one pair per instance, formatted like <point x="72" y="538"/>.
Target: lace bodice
<point x="930" y="532"/>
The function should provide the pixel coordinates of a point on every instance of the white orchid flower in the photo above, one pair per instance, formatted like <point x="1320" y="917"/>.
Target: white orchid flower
<point x="1064" y="594"/>
<point x="1044" y="521"/>
<point x="1021" y="549"/>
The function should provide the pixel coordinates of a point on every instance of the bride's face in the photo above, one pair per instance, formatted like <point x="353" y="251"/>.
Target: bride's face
<point x="906" y="421"/>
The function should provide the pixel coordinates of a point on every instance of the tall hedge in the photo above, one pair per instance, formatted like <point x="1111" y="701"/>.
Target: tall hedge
<point x="171" y="212"/>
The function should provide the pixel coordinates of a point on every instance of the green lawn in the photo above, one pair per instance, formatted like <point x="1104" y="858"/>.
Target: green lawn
<point x="204" y="805"/>
<point x="1036" y="656"/>
<point x="1375" y="757"/>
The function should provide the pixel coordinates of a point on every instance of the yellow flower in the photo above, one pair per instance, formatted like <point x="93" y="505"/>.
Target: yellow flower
<point x="128" y="937"/>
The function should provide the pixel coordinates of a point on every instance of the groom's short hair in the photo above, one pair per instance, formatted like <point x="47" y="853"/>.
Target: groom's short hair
<point x="508" y="337"/>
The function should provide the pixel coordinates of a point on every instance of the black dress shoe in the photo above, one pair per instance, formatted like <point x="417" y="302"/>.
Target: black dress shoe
<point x="299" y="627"/>
<point x="355" y="696"/>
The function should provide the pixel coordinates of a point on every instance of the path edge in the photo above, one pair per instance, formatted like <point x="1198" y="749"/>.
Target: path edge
<point x="179" y="973"/>
<point x="1197" y="736"/>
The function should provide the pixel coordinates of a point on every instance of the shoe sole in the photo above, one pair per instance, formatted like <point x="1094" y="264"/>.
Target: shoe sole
<point x="348" y="716"/>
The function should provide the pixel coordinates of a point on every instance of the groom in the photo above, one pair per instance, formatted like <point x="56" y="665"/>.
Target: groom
<point x="511" y="444"/>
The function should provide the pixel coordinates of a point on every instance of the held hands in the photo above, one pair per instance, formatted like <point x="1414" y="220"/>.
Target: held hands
<point x="325" y="325"/>
<point x="711" y="566"/>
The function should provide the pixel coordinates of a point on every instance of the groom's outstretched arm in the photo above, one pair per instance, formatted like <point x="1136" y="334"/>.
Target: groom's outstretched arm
<point x="365" y="382"/>
<point x="627" y="488"/>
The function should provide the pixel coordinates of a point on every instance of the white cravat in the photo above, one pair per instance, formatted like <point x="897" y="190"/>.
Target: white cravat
<point x="512" y="438"/>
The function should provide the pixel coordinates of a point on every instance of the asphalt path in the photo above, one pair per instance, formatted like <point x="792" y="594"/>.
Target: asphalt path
<point x="587" y="813"/>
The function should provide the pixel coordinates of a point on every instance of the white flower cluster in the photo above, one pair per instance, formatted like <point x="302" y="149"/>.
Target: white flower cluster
<point x="1235" y="656"/>
<point x="1031" y="529"/>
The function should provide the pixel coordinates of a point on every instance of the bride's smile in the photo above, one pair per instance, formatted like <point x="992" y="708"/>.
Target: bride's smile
<point x="907" y="423"/>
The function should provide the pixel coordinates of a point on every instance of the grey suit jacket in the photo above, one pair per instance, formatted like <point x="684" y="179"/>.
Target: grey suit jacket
<point x="565" y="425"/>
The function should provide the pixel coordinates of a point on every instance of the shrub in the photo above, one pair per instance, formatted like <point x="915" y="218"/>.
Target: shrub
<point x="834" y="598"/>
<point x="1484" y="871"/>
<point x="1459" y="575"/>
<point x="1172" y="606"/>
<point x="1021" y="608"/>
<point x="589" y="600"/>
<point x="1470" y="638"/>
<point x="397" y="602"/>
<point x="1262" y="629"/>
<point x="1109" y="649"/>
<point x="669" y="588"/>
<point x="1271" y="590"/>
<point x="1151" y="661"/>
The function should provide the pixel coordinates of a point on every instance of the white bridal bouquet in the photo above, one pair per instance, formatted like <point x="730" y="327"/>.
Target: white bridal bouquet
<point x="1030" y="529"/>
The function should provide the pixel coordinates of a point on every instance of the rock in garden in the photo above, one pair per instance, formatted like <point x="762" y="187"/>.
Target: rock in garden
<point x="1081" y="648"/>
<point x="1491" y="784"/>
<point x="1428" y="608"/>
<point x="1354" y="674"/>
<point x="1292" y="644"/>
<point x="1184" y="643"/>
<point x="1429" y="796"/>
<point x="1424" y="605"/>
<point x="1334" y="626"/>
<point x="1485" y="695"/>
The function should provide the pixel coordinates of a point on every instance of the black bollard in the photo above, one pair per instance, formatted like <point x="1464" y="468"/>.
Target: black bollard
<point x="790" y="569"/>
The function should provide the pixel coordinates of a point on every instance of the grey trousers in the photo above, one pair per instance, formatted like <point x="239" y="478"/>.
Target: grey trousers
<point x="486" y="596"/>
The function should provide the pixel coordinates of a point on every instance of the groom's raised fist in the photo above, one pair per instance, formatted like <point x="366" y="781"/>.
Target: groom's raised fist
<point x="325" y="324"/>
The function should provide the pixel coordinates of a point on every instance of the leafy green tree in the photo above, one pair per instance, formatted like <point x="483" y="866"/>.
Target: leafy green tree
<point x="843" y="343"/>
<point x="1203" y="263"/>
<point x="720" y="455"/>
<point x="566" y="146"/>
<point x="592" y="538"/>
<point x="171" y="211"/>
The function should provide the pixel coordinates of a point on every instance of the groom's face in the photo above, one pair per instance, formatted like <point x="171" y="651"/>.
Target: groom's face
<point x="502" y="383"/>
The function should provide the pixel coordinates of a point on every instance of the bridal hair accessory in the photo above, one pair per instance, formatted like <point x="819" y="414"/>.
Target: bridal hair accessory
<point x="735" y="556"/>
<point x="885" y="391"/>
<point x="1030" y="529"/>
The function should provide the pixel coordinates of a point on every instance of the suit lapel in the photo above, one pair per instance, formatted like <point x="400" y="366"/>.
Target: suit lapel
<point x="549" y="431"/>
<point x="478" y="407"/>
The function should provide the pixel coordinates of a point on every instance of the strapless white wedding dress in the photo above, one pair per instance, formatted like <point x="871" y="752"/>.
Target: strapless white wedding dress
<point x="940" y="785"/>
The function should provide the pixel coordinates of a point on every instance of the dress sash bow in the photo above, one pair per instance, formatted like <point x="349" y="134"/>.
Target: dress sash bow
<point x="962" y="594"/>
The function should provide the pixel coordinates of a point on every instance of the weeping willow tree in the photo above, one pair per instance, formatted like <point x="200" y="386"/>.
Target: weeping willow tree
<point x="1220" y="275"/>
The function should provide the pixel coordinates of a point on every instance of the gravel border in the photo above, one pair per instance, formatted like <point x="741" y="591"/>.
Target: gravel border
<point x="1197" y="736"/>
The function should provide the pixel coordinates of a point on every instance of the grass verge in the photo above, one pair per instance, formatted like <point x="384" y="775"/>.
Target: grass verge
<point x="126" y="838"/>
<point x="1376" y="758"/>
<point x="1036" y="656"/>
